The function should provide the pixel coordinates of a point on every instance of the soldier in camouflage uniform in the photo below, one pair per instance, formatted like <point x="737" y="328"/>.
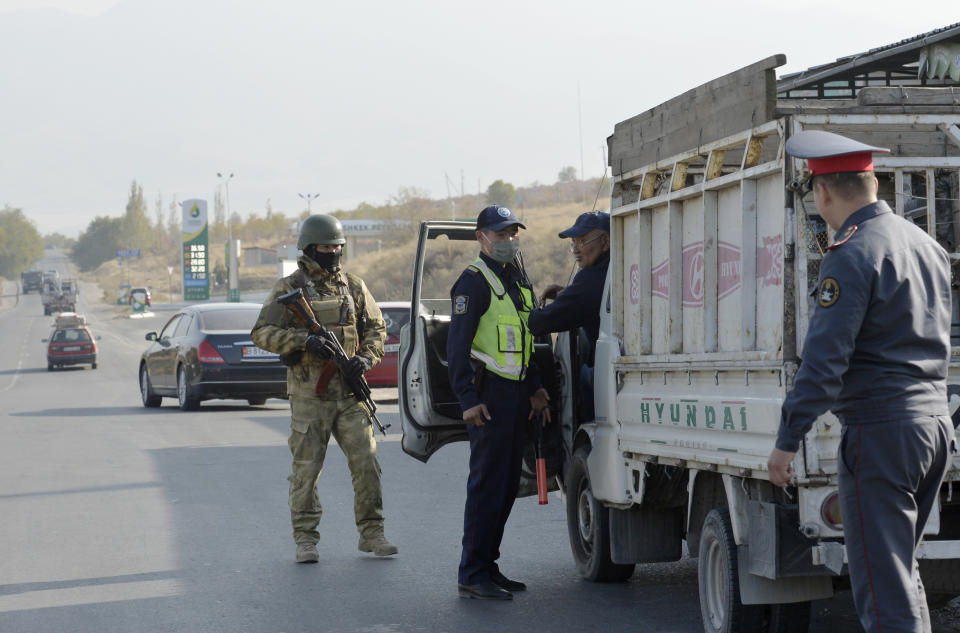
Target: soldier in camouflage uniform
<point x="344" y="306"/>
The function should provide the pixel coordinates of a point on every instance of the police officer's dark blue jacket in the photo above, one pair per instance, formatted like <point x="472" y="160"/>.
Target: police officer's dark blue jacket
<point x="878" y="347"/>
<point x="577" y="305"/>
<point x="471" y="298"/>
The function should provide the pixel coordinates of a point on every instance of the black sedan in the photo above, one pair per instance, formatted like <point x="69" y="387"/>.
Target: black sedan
<point x="205" y="352"/>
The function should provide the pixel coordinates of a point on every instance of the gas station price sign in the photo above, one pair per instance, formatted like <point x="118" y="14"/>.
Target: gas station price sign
<point x="196" y="261"/>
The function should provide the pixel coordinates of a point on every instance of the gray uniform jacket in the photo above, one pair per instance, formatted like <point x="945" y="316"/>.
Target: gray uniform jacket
<point x="878" y="346"/>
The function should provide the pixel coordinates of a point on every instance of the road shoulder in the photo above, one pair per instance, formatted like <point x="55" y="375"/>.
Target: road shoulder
<point x="9" y="294"/>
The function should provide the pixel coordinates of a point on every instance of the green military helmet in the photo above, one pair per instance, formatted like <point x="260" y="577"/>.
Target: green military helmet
<point x="320" y="229"/>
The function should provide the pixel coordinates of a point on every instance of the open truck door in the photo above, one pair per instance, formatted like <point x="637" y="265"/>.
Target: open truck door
<point x="430" y="412"/>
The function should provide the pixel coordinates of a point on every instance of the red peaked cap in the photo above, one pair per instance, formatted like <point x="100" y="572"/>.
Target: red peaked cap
<point x="829" y="153"/>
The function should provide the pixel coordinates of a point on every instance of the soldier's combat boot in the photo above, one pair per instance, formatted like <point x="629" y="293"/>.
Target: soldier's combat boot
<point x="378" y="544"/>
<point x="307" y="553"/>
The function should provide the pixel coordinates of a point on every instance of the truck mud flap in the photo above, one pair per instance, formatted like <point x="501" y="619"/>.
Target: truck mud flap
<point x="776" y="548"/>
<point x="644" y="534"/>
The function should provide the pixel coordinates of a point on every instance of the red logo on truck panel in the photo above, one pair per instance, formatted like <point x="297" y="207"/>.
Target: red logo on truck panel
<point x="661" y="280"/>
<point x="770" y="261"/>
<point x="693" y="275"/>
<point x="728" y="260"/>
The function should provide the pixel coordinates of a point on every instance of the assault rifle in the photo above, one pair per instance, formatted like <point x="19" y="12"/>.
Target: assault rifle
<point x="297" y="304"/>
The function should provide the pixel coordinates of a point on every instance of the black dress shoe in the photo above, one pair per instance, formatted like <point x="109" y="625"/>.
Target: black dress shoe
<point x="505" y="583"/>
<point x="484" y="591"/>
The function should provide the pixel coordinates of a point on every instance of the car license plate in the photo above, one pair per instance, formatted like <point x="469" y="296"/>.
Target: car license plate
<point x="256" y="352"/>
<point x="392" y="347"/>
<point x="71" y="348"/>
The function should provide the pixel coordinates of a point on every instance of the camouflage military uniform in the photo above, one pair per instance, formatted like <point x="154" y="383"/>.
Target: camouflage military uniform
<point x="344" y="306"/>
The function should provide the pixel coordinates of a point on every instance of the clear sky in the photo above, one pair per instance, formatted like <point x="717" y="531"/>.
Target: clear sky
<point x="353" y="100"/>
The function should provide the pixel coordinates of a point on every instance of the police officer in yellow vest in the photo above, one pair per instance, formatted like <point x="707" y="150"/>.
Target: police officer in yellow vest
<point x="489" y="354"/>
<point x="344" y="306"/>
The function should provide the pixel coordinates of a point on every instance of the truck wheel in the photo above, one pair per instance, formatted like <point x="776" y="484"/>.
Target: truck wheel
<point x="792" y="617"/>
<point x="255" y="402"/>
<point x="93" y="365"/>
<point x="49" y="366"/>
<point x="941" y="580"/>
<point x="188" y="402"/>
<point x="149" y="398"/>
<point x="719" y="580"/>
<point x="588" y="524"/>
<point x="938" y="600"/>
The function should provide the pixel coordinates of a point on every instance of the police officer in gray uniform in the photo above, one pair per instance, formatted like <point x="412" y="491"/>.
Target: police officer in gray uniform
<point x="876" y="355"/>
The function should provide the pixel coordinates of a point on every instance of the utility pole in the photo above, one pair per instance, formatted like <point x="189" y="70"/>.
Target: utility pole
<point x="583" y="195"/>
<point x="453" y="204"/>
<point x="310" y="197"/>
<point x="233" y="289"/>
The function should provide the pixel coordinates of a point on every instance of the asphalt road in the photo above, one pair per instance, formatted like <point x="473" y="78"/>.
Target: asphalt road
<point x="118" y="518"/>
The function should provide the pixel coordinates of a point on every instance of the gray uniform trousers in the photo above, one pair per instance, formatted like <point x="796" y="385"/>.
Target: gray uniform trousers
<point x="889" y="476"/>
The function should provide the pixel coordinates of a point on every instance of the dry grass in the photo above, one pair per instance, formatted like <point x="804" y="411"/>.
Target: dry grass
<point x="388" y="273"/>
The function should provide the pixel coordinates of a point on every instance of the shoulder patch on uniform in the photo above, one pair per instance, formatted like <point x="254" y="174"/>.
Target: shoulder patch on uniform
<point x="829" y="292"/>
<point x="842" y="238"/>
<point x="460" y="304"/>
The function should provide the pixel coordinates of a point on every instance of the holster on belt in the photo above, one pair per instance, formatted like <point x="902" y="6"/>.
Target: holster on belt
<point x="479" y="370"/>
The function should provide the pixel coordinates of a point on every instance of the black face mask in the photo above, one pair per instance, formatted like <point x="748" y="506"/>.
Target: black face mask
<point x="327" y="261"/>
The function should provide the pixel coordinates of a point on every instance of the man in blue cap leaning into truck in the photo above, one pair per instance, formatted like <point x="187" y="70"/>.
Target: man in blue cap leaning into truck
<point x="578" y="305"/>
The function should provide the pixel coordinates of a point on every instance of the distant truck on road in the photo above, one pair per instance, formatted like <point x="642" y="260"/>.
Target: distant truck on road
<point x="59" y="296"/>
<point x="31" y="280"/>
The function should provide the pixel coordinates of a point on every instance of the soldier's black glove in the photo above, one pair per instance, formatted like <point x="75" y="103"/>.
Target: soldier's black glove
<point x="321" y="347"/>
<point x="356" y="367"/>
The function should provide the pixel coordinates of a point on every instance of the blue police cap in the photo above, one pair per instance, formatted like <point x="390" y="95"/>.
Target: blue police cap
<point x="586" y="222"/>
<point x="497" y="218"/>
<point x="827" y="152"/>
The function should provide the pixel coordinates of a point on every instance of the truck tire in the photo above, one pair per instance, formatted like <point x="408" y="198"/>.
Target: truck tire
<point x="941" y="580"/>
<point x="719" y="580"/>
<point x="793" y="617"/>
<point x="588" y="524"/>
<point x="187" y="401"/>
<point x="149" y="398"/>
<point x="255" y="402"/>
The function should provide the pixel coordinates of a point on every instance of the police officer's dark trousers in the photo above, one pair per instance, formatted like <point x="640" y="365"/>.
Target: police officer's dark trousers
<point x="889" y="476"/>
<point x="496" y="454"/>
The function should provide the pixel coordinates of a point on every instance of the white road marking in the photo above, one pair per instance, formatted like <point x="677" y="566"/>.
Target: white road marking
<point x="22" y="355"/>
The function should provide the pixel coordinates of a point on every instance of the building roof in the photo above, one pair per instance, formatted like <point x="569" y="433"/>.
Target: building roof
<point x="890" y="65"/>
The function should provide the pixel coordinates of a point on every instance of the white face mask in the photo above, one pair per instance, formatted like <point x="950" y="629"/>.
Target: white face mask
<point x="503" y="252"/>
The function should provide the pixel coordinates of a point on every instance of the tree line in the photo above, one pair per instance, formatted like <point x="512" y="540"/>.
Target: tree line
<point x="20" y="243"/>
<point x="159" y="232"/>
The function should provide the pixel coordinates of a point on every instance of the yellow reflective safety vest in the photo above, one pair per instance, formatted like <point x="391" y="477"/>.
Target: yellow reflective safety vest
<point x="503" y="342"/>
